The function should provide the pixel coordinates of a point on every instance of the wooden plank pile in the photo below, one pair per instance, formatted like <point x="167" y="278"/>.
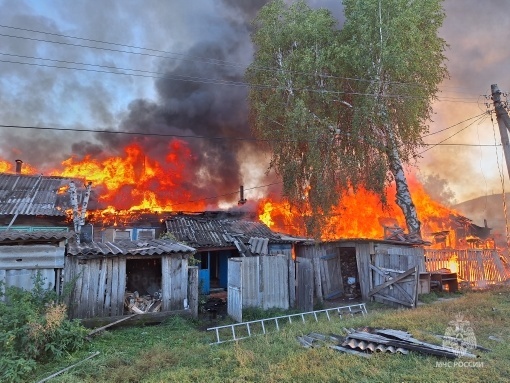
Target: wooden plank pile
<point x="141" y="304"/>
<point x="364" y="342"/>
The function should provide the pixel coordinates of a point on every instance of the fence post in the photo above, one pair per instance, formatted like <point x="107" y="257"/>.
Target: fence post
<point x="193" y="290"/>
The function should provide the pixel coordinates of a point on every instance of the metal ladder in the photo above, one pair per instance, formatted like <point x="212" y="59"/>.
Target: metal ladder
<point x="248" y="327"/>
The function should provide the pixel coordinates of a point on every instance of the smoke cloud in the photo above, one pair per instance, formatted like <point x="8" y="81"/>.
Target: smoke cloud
<point x="207" y="41"/>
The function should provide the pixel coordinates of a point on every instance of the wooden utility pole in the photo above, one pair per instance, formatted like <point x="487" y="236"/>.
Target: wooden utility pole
<point x="503" y="123"/>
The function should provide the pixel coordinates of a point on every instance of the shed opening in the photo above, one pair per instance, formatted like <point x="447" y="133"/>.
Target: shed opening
<point x="143" y="285"/>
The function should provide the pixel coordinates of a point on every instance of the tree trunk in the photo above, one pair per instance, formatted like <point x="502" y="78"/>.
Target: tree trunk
<point x="403" y="196"/>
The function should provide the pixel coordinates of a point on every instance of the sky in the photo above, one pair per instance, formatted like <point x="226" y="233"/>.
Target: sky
<point x="54" y="79"/>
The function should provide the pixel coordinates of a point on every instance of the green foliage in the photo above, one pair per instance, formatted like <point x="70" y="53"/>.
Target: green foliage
<point x="35" y="329"/>
<point x="343" y="108"/>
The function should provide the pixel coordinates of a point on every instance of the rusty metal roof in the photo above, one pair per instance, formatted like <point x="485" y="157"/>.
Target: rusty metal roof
<point x="201" y="231"/>
<point x="39" y="235"/>
<point x="33" y="195"/>
<point x="144" y="248"/>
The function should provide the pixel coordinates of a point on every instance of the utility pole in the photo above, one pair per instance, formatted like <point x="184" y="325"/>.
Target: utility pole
<point x="503" y="123"/>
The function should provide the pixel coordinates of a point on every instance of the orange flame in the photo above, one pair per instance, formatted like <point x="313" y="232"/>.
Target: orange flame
<point x="135" y="182"/>
<point x="131" y="183"/>
<point x="7" y="167"/>
<point x="361" y="214"/>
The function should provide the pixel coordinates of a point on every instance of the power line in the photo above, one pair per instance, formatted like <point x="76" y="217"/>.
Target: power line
<point x="442" y="130"/>
<point x="204" y="80"/>
<point x="441" y="142"/>
<point x="228" y="194"/>
<point x="188" y="136"/>
<point x="183" y="57"/>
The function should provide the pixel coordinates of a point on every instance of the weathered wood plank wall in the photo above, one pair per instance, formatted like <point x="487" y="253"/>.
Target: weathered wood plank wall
<point x="100" y="285"/>
<point x="275" y="282"/>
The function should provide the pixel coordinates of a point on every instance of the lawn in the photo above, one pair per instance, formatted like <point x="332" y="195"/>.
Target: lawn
<point x="179" y="350"/>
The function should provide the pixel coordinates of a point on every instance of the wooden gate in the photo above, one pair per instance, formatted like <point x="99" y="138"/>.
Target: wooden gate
<point x="304" y="290"/>
<point x="331" y="275"/>
<point x="257" y="282"/>
<point x="235" y="289"/>
<point x="389" y="283"/>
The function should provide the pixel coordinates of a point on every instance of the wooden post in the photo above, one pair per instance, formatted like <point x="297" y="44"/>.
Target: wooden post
<point x="193" y="290"/>
<point x="317" y="276"/>
<point x="292" y="282"/>
<point x="503" y="122"/>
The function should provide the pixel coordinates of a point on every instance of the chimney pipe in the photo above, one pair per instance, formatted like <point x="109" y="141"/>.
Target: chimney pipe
<point x="19" y="164"/>
<point x="242" y="200"/>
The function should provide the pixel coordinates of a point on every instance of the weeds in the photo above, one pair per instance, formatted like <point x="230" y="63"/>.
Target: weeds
<point x="35" y="329"/>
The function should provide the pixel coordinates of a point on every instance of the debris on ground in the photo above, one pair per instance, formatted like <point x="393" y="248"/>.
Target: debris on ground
<point x="366" y="341"/>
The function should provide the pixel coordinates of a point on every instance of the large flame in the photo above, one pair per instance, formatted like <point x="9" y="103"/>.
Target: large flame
<point x="133" y="182"/>
<point x="360" y="214"/>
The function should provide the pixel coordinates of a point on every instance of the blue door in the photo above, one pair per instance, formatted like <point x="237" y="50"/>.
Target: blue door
<point x="204" y="274"/>
<point x="223" y="268"/>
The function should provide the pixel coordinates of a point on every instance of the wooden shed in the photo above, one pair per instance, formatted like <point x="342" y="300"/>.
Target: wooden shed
<point x="365" y="269"/>
<point x="24" y="254"/>
<point x="102" y="274"/>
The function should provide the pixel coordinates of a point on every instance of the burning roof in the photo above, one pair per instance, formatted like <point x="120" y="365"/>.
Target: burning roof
<point x="219" y="230"/>
<point x="33" y="195"/>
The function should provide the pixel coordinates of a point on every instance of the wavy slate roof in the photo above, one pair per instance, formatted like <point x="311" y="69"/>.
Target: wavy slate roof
<point x="33" y="195"/>
<point x="200" y="231"/>
<point x="144" y="248"/>
<point x="39" y="235"/>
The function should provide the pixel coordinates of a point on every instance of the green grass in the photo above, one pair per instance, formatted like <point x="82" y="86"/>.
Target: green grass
<point x="178" y="351"/>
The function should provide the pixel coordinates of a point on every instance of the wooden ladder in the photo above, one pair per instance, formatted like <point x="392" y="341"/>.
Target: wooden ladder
<point x="248" y="329"/>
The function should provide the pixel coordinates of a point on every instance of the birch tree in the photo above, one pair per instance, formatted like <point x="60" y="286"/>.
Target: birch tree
<point x="344" y="108"/>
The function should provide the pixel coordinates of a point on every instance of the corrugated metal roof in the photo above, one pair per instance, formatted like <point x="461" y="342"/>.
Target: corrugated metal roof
<point x="363" y="345"/>
<point x="33" y="195"/>
<point x="200" y="231"/>
<point x="39" y="235"/>
<point x="145" y="248"/>
<point x="259" y="245"/>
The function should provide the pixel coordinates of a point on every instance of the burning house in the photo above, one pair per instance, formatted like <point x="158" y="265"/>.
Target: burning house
<point x="218" y="236"/>
<point x="35" y="202"/>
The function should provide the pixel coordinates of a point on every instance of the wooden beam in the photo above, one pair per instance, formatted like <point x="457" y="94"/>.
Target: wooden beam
<point x="99" y="329"/>
<point x="142" y="319"/>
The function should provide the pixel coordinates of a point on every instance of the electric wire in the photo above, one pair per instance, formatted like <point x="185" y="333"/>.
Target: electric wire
<point x="182" y="56"/>
<point x="452" y="126"/>
<point x="205" y="80"/>
<point x="227" y="194"/>
<point x="190" y="136"/>
<point x="441" y="142"/>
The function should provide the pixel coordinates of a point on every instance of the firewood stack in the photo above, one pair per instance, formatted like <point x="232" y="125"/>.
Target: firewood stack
<point x="142" y="304"/>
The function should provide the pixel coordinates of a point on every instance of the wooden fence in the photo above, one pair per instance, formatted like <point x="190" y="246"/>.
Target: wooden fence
<point x="471" y="265"/>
